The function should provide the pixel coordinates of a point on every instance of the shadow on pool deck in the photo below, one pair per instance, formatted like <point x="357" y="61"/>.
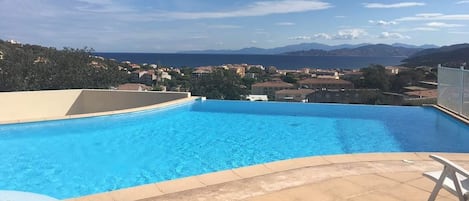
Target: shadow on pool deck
<point x="376" y="176"/>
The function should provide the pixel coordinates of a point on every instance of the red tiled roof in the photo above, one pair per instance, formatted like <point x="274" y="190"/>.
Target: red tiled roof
<point x="273" y="84"/>
<point x="323" y="81"/>
<point x="433" y="93"/>
<point x="132" y="86"/>
<point x="295" y="91"/>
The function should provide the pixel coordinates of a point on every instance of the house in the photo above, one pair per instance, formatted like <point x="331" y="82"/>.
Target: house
<point x="143" y="77"/>
<point x="1" y="55"/>
<point x="357" y="96"/>
<point x="269" y="88"/>
<point x="325" y="84"/>
<point x="395" y="70"/>
<point x="293" y="95"/>
<point x="423" y="94"/>
<point x="134" y="87"/>
<point x="257" y="98"/>
<point x="325" y="74"/>
<point x="41" y="60"/>
<point x="202" y="71"/>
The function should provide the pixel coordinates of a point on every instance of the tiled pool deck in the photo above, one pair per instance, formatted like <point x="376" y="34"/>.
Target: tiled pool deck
<point x="355" y="177"/>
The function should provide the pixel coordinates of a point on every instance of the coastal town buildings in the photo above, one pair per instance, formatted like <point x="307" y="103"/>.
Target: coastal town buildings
<point x="355" y="96"/>
<point x="293" y="95"/>
<point x="269" y="88"/>
<point x="325" y="84"/>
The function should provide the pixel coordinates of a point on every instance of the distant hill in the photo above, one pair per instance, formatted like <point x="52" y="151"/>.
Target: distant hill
<point x="453" y="55"/>
<point x="427" y="46"/>
<point x="296" y="47"/>
<point x="378" y="50"/>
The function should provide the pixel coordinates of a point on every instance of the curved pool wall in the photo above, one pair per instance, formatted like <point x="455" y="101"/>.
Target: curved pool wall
<point x="30" y="106"/>
<point x="71" y="158"/>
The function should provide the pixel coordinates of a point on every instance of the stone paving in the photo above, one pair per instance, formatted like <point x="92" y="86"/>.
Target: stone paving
<point x="377" y="176"/>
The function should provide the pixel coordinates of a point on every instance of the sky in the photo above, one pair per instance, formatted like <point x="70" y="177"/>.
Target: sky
<point x="181" y="25"/>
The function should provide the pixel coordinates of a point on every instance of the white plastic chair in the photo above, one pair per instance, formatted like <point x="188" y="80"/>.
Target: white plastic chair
<point x="453" y="178"/>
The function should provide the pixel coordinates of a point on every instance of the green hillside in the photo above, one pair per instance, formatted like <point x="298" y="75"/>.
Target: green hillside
<point x="32" y="67"/>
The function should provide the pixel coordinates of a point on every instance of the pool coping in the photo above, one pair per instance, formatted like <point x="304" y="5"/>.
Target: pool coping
<point x="451" y="113"/>
<point x="115" y="112"/>
<point x="214" y="178"/>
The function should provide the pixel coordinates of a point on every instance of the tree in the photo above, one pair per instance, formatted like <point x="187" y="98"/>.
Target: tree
<point x="220" y="84"/>
<point x="375" y="77"/>
<point x="32" y="67"/>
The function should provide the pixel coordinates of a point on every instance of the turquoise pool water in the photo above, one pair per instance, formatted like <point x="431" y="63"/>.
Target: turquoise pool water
<point x="78" y="157"/>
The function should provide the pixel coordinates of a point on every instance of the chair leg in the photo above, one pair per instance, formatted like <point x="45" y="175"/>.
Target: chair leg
<point x="438" y="185"/>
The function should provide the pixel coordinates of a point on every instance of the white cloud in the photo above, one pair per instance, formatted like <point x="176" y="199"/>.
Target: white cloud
<point x="340" y="16"/>
<point x="350" y="34"/>
<point x="389" y="35"/>
<point x="253" y="41"/>
<point x="323" y="36"/>
<point x="261" y="8"/>
<point x="434" y="16"/>
<point x="285" y="23"/>
<point x="300" y="38"/>
<point x="395" y="5"/>
<point x="425" y="29"/>
<point x="462" y="2"/>
<point x="382" y="22"/>
<point x="443" y="25"/>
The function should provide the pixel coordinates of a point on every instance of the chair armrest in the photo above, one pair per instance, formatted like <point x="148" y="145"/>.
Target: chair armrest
<point x="450" y="164"/>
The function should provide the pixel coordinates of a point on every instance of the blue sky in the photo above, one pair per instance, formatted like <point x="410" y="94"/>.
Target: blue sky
<point x="177" y="25"/>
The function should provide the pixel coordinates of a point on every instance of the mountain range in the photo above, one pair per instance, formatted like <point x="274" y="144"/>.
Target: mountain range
<point x="301" y="47"/>
<point x="451" y="56"/>
<point x="378" y="50"/>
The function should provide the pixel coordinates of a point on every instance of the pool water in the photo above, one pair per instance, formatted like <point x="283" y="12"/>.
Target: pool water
<point x="71" y="158"/>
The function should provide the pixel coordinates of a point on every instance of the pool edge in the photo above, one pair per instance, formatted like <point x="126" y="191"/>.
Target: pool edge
<point x="233" y="175"/>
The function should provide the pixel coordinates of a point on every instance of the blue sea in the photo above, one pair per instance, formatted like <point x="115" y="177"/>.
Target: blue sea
<point x="279" y="61"/>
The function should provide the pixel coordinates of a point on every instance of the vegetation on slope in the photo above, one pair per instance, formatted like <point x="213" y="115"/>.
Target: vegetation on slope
<point x="452" y="56"/>
<point x="32" y="67"/>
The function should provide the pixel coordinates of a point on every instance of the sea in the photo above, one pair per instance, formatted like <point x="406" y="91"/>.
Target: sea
<point x="279" y="61"/>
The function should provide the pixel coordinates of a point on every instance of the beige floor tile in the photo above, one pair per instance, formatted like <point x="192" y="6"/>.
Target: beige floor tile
<point x="179" y="185"/>
<point x="308" y="192"/>
<point x="279" y="166"/>
<point x="374" y="196"/>
<point x="402" y="156"/>
<point x="372" y="181"/>
<point x="406" y="192"/>
<point x="370" y="157"/>
<point x="269" y="197"/>
<point x="96" y="197"/>
<point x="402" y="176"/>
<point x="340" y="159"/>
<point x="218" y="177"/>
<point x="427" y="185"/>
<point x="339" y="188"/>
<point x="136" y="193"/>
<point x="311" y="161"/>
<point x="252" y="171"/>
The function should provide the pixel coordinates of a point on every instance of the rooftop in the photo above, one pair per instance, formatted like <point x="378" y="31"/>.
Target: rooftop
<point x="295" y="91"/>
<point x="323" y="81"/>
<point x="374" y="176"/>
<point x="273" y="84"/>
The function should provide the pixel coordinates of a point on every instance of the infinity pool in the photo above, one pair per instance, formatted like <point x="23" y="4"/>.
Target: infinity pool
<point x="71" y="158"/>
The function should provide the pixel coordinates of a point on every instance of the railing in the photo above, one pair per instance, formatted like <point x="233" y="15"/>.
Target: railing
<point x="453" y="90"/>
